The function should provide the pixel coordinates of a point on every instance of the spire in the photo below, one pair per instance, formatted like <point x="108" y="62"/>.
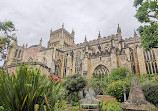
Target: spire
<point x="26" y="45"/>
<point x="135" y="34"/>
<point x="50" y="30"/>
<point x="73" y="32"/>
<point x="118" y="29"/>
<point x="99" y="36"/>
<point x="85" y="40"/>
<point x="40" y="42"/>
<point x="63" y="25"/>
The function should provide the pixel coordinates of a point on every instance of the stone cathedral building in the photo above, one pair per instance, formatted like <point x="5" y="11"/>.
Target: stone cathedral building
<point x="62" y="57"/>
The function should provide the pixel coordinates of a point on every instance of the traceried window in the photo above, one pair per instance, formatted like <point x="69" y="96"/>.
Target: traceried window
<point x="100" y="72"/>
<point x="133" y="68"/>
<point x="19" y="54"/>
<point x="65" y="67"/>
<point x="150" y="62"/>
<point x="101" y="69"/>
<point x="16" y="52"/>
<point x="78" y="64"/>
<point x="30" y="60"/>
<point x="58" y="68"/>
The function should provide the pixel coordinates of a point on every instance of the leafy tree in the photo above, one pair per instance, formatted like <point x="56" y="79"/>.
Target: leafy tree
<point x="147" y="13"/>
<point x="73" y="85"/>
<point x="7" y="37"/>
<point x="118" y="74"/>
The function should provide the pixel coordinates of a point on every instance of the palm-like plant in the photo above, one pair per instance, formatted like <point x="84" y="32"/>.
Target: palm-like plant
<point x="21" y="91"/>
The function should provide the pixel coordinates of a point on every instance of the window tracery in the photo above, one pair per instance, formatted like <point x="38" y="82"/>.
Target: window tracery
<point x="78" y="63"/>
<point x="150" y="62"/>
<point x="133" y="68"/>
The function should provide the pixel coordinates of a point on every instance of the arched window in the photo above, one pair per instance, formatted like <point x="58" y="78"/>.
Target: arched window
<point x="65" y="67"/>
<point x="58" y="68"/>
<point x="78" y="63"/>
<point x="30" y="60"/>
<point x="100" y="71"/>
<point x="16" y="52"/>
<point x="19" y="54"/>
<point x="150" y="62"/>
<point x="133" y="68"/>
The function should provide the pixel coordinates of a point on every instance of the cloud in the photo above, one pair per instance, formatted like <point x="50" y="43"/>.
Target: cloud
<point x="34" y="18"/>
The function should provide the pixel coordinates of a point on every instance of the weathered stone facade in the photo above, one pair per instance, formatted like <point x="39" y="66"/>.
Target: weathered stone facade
<point x="63" y="57"/>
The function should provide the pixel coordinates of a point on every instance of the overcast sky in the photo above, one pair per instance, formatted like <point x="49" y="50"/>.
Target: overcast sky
<point x="34" y="18"/>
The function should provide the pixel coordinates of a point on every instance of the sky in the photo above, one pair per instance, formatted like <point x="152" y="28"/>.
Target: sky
<point x="34" y="19"/>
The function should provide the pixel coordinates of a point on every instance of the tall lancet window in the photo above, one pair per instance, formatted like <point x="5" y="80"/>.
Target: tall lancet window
<point x="150" y="62"/>
<point x="78" y="63"/>
<point x="133" y="68"/>
<point x="65" y="67"/>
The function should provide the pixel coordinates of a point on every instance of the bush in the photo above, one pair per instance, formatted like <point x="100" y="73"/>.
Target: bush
<point x="150" y="91"/>
<point x="115" y="89"/>
<point x="119" y="74"/>
<point x="73" y="85"/>
<point x="21" y="91"/>
<point x="98" y="83"/>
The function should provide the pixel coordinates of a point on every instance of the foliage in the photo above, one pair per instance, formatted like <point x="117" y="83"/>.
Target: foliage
<point x="73" y="84"/>
<point x="21" y="91"/>
<point x="98" y="83"/>
<point x="60" y="105"/>
<point x="147" y="12"/>
<point x="109" y="104"/>
<point x="7" y="37"/>
<point x="150" y="91"/>
<point x="74" y="108"/>
<point x="118" y="74"/>
<point x="116" y="90"/>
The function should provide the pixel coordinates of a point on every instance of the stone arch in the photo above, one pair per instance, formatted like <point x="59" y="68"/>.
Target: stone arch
<point x="101" y="69"/>
<point x="30" y="59"/>
<point x="58" y="68"/>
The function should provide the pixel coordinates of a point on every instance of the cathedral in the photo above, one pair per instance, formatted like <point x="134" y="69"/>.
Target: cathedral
<point x="62" y="57"/>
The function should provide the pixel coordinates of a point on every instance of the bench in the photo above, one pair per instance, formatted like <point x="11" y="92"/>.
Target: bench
<point x="82" y="104"/>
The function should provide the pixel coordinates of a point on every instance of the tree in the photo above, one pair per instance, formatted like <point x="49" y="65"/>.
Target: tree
<point x="73" y="84"/>
<point x="147" y="13"/>
<point x="7" y="37"/>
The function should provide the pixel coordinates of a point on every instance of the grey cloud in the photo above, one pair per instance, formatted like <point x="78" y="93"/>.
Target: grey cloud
<point x="35" y="18"/>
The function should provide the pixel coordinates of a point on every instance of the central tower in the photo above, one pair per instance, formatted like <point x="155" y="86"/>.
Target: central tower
<point x="61" y="38"/>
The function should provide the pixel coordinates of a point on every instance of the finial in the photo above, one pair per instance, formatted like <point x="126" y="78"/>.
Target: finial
<point x="40" y="42"/>
<point x="99" y="36"/>
<point x="63" y="25"/>
<point x="51" y="30"/>
<point x="118" y="29"/>
<point x="85" y="40"/>
<point x="26" y="45"/>
<point x="73" y="31"/>
<point x="135" y="32"/>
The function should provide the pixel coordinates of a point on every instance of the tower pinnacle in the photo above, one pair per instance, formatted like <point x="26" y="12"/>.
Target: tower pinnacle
<point x="99" y="36"/>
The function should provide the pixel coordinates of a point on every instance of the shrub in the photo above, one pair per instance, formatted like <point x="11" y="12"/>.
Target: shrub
<point x="150" y="91"/>
<point x="21" y="91"/>
<point x="109" y="104"/>
<point x="98" y="83"/>
<point x="115" y="89"/>
<point x="119" y="74"/>
<point x="60" y="105"/>
<point x="73" y="84"/>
